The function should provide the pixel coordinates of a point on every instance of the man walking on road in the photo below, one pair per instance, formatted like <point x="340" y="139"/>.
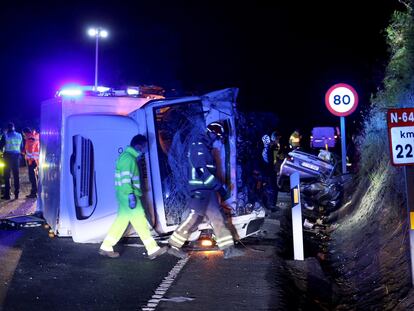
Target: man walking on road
<point x="31" y="154"/>
<point x="204" y="186"/>
<point x="128" y="193"/>
<point x="11" y="141"/>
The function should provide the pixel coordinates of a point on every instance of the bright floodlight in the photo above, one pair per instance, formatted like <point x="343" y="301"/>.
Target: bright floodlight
<point x="97" y="32"/>
<point x="92" y="32"/>
<point x="103" y="33"/>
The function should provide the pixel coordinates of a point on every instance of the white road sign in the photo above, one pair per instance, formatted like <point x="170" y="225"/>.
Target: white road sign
<point x="401" y="135"/>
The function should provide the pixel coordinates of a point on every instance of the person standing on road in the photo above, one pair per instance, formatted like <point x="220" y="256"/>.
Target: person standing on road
<point x="12" y="144"/>
<point x="128" y="193"/>
<point x="204" y="187"/>
<point x="295" y="139"/>
<point x="31" y="154"/>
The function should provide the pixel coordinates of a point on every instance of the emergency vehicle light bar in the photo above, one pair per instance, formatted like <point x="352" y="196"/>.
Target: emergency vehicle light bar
<point x="132" y="91"/>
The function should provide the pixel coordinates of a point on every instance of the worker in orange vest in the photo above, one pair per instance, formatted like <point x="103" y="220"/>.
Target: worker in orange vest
<point x="31" y="154"/>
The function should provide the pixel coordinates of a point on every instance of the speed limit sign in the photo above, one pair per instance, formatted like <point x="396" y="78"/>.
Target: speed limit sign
<point x="341" y="100"/>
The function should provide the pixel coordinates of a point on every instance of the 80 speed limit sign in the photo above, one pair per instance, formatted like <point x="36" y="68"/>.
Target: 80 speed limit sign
<point x="401" y="135"/>
<point x="341" y="99"/>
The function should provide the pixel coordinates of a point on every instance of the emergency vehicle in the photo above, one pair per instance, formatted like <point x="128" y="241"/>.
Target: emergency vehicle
<point x="83" y="131"/>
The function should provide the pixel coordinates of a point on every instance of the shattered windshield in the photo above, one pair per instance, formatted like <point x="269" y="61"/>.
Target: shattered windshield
<point x="176" y="126"/>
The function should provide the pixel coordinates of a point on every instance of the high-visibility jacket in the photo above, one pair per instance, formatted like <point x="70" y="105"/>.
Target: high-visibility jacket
<point x="127" y="178"/>
<point x="294" y="139"/>
<point x="31" y="147"/>
<point x="203" y="170"/>
<point x="13" y="142"/>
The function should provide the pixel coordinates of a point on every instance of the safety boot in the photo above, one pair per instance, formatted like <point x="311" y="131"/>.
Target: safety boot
<point x="177" y="252"/>
<point x="231" y="252"/>
<point x="110" y="254"/>
<point x="159" y="252"/>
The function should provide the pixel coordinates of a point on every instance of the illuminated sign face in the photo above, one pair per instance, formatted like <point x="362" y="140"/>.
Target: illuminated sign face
<point x="341" y="100"/>
<point x="401" y="135"/>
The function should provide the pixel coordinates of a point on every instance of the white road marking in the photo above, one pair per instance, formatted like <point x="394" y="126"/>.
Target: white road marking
<point x="165" y="284"/>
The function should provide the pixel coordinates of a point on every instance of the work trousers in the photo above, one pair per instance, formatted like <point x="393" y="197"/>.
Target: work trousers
<point x="200" y="206"/>
<point x="12" y="163"/>
<point x="32" y="170"/>
<point x="139" y="222"/>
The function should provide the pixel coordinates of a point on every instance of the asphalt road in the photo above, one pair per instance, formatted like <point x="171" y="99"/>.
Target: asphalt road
<point x="58" y="274"/>
<point x="43" y="273"/>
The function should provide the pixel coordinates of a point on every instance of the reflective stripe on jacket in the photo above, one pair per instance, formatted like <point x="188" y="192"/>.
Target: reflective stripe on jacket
<point x="31" y="147"/>
<point x="127" y="178"/>
<point x="202" y="168"/>
<point x="13" y="142"/>
<point x="294" y="139"/>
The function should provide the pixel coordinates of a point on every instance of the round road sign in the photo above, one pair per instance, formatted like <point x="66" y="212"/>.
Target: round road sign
<point x="341" y="99"/>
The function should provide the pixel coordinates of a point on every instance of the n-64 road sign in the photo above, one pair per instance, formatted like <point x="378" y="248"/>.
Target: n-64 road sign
<point x="401" y="135"/>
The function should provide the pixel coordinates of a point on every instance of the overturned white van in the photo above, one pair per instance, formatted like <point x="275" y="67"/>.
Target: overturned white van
<point x="83" y="133"/>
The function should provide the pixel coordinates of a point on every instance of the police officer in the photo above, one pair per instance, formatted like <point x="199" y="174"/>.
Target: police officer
<point x="12" y="144"/>
<point x="128" y="193"/>
<point x="204" y="186"/>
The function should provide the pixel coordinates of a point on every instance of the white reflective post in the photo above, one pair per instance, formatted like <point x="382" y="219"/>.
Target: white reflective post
<point x="409" y="190"/>
<point x="298" y="253"/>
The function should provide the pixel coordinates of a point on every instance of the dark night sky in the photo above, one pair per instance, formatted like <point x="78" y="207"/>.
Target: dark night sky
<point x="282" y="56"/>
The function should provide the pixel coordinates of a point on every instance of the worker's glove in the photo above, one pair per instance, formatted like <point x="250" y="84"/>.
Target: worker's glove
<point x="132" y="201"/>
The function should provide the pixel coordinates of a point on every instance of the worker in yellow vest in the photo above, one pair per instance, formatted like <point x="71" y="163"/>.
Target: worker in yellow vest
<point x="128" y="193"/>
<point x="11" y="141"/>
<point x="295" y="139"/>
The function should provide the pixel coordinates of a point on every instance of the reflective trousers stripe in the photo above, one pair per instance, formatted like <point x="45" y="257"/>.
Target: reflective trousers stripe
<point x="139" y="222"/>
<point x="175" y="241"/>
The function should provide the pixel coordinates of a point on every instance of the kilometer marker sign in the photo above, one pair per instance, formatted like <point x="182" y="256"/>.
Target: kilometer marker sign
<point x="401" y="135"/>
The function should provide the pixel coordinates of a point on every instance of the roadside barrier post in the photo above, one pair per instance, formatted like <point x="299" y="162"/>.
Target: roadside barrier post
<point x="296" y="217"/>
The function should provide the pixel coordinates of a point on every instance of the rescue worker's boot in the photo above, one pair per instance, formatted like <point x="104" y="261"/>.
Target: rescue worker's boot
<point x="231" y="252"/>
<point x="177" y="252"/>
<point x="32" y="195"/>
<point x="110" y="254"/>
<point x="159" y="252"/>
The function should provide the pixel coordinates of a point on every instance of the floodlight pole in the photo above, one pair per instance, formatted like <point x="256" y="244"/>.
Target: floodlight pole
<point x="97" y="33"/>
<point x="96" y="59"/>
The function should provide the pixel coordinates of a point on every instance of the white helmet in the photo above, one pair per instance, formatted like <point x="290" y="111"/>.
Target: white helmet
<point x="266" y="139"/>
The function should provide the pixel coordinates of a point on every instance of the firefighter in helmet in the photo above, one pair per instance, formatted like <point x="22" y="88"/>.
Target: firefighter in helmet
<point x="204" y="186"/>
